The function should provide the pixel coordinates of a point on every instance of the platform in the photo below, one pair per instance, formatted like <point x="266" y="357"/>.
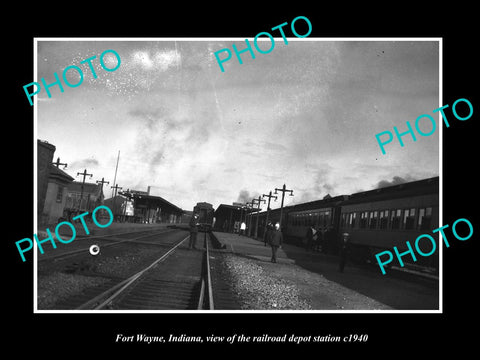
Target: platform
<point x="358" y="287"/>
<point x="244" y="245"/>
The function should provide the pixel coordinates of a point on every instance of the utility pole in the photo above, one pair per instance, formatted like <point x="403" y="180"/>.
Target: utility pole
<point x="102" y="182"/>
<point x="83" y="183"/>
<point x="270" y="196"/>
<point x="116" y="168"/>
<point x="248" y="221"/>
<point x="283" y="190"/>
<point x="258" y="201"/>
<point x="58" y="163"/>
<point x="127" y="195"/>
<point x="115" y="188"/>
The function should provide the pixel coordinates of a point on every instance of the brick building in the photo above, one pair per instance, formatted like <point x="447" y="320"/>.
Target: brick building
<point x="56" y="195"/>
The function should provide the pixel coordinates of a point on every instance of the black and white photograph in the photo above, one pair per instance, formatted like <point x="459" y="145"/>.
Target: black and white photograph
<point x="193" y="154"/>
<point x="231" y="183"/>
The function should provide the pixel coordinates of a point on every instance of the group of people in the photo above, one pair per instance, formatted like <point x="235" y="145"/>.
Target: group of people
<point x="317" y="239"/>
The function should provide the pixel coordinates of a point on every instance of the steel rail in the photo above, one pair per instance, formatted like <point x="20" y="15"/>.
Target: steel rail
<point x="209" y="279"/>
<point x="116" y="242"/>
<point x="120" y="287"/>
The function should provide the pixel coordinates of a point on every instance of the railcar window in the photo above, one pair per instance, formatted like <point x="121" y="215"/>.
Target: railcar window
<point x="373" y="219"/>
<point x="384" y="219"/>
<point x="409" y="219"/>
<point x="353" y="218"/>
<point x="363" y="219"/>
<point x="396" y="216"/>
<point x="327" y="218"/>
<point x="425" y="218"/>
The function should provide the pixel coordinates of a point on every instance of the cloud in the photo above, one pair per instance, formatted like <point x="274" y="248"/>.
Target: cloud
<point x="159" y="60"/>
<point x="245" y="196"/>
<point x="88" y="162"/>
<point x="396" y="180"/>
<point x="322" y="183"/>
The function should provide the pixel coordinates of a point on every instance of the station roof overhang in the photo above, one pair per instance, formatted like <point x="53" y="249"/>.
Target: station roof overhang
<point x="150" y="201"/>
<point x="225" y="209"/>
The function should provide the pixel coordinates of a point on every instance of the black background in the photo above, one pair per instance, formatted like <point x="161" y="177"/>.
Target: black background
<point x="389" y="334"/>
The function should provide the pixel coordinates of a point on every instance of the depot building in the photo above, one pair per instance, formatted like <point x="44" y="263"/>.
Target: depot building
<point x="141" y="207"/>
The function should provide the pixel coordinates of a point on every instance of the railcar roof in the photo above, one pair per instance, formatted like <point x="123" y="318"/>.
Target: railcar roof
<point x="419" y="187"/>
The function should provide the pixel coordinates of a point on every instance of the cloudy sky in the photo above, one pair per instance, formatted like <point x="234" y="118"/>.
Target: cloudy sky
<point x="305" y="114"/>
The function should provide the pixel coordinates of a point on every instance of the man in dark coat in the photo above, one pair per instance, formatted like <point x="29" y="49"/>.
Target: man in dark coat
<point x="268" y="234"/>
<point x="193" y="231"/>
<point x="276" y="240"/>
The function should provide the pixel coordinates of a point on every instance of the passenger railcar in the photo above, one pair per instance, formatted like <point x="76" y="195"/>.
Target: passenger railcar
<point x="380" y="219"/>
<point x="205" y="213"/>
<point x="323" y="215"/>
<point x="376" y="220"/>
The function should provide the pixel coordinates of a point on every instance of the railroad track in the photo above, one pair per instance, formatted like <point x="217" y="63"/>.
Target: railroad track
<point x="111" y="240"/>
<point x="179" y="279"/>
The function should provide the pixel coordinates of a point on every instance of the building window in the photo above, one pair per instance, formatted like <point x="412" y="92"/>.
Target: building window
<point x="59" y="194"/>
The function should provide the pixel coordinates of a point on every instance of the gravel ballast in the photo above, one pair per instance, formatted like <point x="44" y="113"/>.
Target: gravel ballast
<point x="259" y="290"/>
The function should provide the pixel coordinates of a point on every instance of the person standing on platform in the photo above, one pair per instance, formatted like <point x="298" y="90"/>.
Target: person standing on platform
<point x="193" y="231"/>
<point x="276" y="240"/>
<point x="311" y="237"/>
<point x="344" y="251"/>
<point x="243" y="226"/>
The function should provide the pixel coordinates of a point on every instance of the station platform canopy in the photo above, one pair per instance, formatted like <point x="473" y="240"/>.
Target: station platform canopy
<point x="142" y="200"/>
<point x="227" y="215"/>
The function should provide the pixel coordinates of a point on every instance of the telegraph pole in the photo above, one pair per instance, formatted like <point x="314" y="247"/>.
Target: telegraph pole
<point x="248" y="221"/>
<point x="58" y="163"/>
<point x="127" y="195"/>
<point x="258" y="201"/>
<point x="270" y="196"/>
<point x="102" y="182"/>
<point x="283" y="190"/>
<point x="83" y="183"/>
<point x="116" y="168"/>
<point x="115" y="188"/>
